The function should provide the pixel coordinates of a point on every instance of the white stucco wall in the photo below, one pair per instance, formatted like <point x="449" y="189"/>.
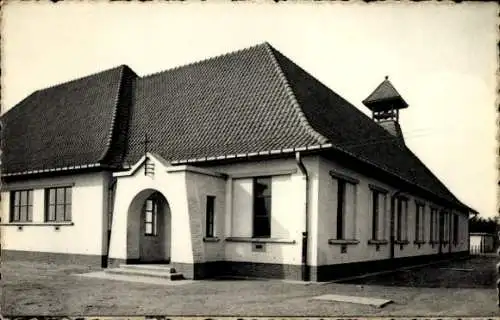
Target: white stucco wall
<point x="200" y="186"/>
<point x="287" y="210"/>
<point x="331" y="253"/>
<point x="87" y="234"/>
<point x="131" y="192"/>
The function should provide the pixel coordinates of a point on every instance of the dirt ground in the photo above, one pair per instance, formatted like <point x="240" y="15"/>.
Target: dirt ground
<point x="44" y="289"/>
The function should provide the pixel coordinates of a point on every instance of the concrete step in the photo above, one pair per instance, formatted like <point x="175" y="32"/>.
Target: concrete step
<point x="161" y="274"/>
<point x="152" y="267"/>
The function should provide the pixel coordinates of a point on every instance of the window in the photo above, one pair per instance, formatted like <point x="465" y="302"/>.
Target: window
<point x="21" y="206"/>
<point x="402" y="219"/>
<point x="346" y="194"/>
<point x="340" y="209"/>
<point x="209" y="222"/>
<point x="58" y="204"/>
<point x="434" y="225"/>
<point x="455" y="229"/>
<point x="378" y="214"/>
<point x="419" y="222"/>
<point x="151" y="217"/>
<point x="375" y="214"/>
<point x="262" y="207"/>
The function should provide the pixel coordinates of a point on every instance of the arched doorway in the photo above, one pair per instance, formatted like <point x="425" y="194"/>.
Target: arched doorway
<point x="149" y="228"/>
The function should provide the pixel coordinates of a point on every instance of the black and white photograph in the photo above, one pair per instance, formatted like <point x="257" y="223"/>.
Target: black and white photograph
<point x="249" y="159"/>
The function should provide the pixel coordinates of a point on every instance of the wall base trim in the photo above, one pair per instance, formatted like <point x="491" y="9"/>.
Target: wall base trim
<point x="352" y="269"/>
<point x="54" y="257"/>
<point x="204" y="270"/>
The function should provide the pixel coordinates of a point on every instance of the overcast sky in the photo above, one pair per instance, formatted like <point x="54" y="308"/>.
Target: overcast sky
<point x="440" y="57"/>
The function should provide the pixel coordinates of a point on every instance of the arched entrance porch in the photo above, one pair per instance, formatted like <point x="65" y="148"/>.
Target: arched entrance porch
<point x="149" y="228"/>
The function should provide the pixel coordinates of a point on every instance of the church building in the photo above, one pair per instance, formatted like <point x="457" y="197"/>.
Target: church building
<point x="239" y="165"/>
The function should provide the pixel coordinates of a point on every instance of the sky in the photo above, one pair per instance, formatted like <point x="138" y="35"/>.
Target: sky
<point x="441" y="57"/>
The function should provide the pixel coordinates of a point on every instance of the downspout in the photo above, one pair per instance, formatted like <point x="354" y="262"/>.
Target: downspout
<point x="305" y="233"/>
<point x="111" y="201"/>
<point x="393" y="213"/>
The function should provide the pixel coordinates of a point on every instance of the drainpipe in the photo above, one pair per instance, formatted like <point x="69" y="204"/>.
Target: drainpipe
<point x="111" y="200"/>
<point x="393" y="209"/>
<point x="304" y="266"/>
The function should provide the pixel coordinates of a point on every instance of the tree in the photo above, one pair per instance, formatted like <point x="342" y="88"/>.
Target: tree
<point x="479" y="224"/>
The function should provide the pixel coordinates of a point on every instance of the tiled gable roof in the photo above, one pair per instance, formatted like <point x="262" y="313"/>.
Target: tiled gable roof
<point x="231" y="104"/>
<point x="246" y="102"/>
<point x="354" y="133"/>
<point x="67" y="125"/>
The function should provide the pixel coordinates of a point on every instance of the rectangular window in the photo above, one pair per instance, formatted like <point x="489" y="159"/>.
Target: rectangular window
<point x="21" y="206"/>
<point x="455" y="229"/>
<point x="419" y="222"/>
<point x="262" y="207"/>
<point x="210" y="214"/>
<point x="433" y="225"/>
<point x="346" y="209"/>
<point x="150" y="218"/>
<point x="375" y="214"/>
<point x="58" y="204"/>
<point x="340" y="209"/>
<point x="402" y="219"/>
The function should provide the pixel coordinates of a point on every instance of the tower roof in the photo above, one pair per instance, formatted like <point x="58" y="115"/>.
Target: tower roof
<point x="385" y="92"/>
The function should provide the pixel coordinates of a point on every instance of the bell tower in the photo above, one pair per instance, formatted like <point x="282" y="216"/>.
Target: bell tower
<point x="385" y="103"/>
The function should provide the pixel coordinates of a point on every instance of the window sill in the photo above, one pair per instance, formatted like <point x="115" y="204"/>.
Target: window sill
<point x="66" y="223"/>
<point x="402" y="242"/>
<point x="259" y="240"/>
<point x="211" y="239"/>
<point x="377" y="242"/>
<point x="343" y="241"/>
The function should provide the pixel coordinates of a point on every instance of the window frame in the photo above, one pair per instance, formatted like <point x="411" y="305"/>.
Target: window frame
<point x="56" y="204"/>
<point x="258" y="231"/>
<point x="456" y="222"/>
<point x="210" y="216"/>
<point x="401" y="215"/>
<point x="340" y="222"/>
<point x="154" y="217"/>
<point x="419" y="222"/>
<point x="375" y="213"/>
<point x="16" y="207"/>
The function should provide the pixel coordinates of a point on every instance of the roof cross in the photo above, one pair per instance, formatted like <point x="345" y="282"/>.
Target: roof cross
<point x="148" y="167"/>
<point x="145" y="142"/>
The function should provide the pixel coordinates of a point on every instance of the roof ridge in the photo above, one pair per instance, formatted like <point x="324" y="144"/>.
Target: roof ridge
<point x="291" y="95"/>
<point x="203" y="60"/>
<point x="113" y="118"/>
<point x="83" y="77"/>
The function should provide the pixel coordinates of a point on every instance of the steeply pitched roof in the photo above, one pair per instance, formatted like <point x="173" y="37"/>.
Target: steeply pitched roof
<point x="231" y="104"/>
<point x="245" y="102"/>
<point x="67" y="125"/>
<point x="384" y="92"/>
<point x="351" y="131"/>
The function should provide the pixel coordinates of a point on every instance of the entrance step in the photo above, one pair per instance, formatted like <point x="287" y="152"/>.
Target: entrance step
<point x="147" y="270"/>
<point x="151" y="267"/>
